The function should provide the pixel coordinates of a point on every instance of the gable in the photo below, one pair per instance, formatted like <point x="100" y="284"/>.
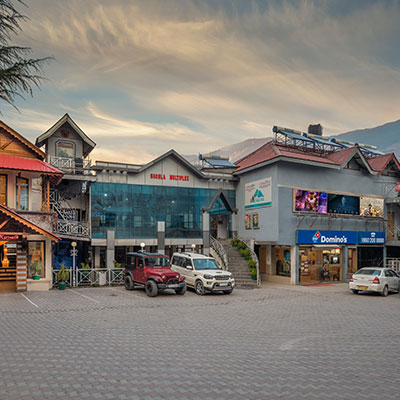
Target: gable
<point x="11" y="146"/>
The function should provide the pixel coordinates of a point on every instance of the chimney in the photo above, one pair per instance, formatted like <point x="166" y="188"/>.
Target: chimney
<point x="315" y="129"/>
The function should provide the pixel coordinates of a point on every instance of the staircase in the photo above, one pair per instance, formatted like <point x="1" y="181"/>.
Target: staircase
<point x="237" y="264"/>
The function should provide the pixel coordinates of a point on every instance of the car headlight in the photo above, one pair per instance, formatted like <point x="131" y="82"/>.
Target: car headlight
<point x="162" y="277"/>
<point x="177" y="276"/>
<point x="208" y="277"/>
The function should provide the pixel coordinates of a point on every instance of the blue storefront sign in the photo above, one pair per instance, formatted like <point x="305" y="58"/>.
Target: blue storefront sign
<point x="372" y="238"/>
<point x="327" y="237"/>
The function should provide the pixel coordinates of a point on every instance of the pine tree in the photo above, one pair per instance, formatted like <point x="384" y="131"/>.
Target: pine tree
<point x="18" y="72"/>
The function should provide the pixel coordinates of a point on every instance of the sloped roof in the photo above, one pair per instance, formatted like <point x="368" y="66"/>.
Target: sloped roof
<point x="40" y="141"/>
<point x="30" y="164"/>
<point x="23" y="221"/>
<point x="271" y="151"/>
<point x="23" y="140"/>
<point x="380" y="163"/>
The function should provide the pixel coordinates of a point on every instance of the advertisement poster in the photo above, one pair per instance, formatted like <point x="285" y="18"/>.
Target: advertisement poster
<point x="247" y="221"/>
<point x="343" y="204"/>
<point x="255" y="221"/>
<point x="258" y="194"/>
<point x="371" y="207"/>
<point x="307" y="201"/>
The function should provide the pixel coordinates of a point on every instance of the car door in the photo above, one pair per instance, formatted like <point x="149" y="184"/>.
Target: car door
<point x="138" y="272"/>
<point x="190" y="272"/>
<point x="395" y="280"/>
<point x="177" y="264"/>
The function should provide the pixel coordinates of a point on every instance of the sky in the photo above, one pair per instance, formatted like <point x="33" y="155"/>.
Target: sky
<point x="141" y="77"/>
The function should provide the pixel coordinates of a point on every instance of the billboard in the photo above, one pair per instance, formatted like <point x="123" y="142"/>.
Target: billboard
<point x="307" y="201"/>
<point x="371" y="207"/>
<point x="258" y="194"/>
<point x="343" y="204"/>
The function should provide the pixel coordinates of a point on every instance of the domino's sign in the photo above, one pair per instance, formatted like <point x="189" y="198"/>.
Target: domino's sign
<point x="326" y="237"/>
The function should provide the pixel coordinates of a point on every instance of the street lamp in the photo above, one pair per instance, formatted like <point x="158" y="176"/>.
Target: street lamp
<point x="142" y="245"/>
<point x="193" y="247"/>
<point x="74" y="253"/>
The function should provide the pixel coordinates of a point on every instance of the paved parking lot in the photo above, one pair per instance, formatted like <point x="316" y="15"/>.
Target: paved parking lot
<point x="276" y="342"/>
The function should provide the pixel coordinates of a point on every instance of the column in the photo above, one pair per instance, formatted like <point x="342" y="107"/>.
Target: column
<point x="110" y="252"/>
<point x="206" y="233"/>
<point x="97" y="257"/>
<point x="294" y="265"/>
<point x="161" y="237"/>
<point x="22" y="270"/>
<point x="234" y="224"/>
<point x="345" y="262"/>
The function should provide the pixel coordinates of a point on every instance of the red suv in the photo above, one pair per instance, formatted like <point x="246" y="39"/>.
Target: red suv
<point x="153" y="272"/>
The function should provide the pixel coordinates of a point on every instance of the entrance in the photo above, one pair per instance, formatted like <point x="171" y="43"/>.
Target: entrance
<point x="320" y="264"/>
<point x="219" y="226"/>
<point x="8" y="266"/>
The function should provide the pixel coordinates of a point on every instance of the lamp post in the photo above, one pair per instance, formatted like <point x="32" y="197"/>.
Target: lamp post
<point x="74" y="253"/>
<point x="193" y="247"/>
<point x="142" y="245"/>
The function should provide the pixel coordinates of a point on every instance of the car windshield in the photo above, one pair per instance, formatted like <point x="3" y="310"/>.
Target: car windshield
<point x="204" y="263"/>
<point x="364" y="271"/>
<point x="156" y="262"/>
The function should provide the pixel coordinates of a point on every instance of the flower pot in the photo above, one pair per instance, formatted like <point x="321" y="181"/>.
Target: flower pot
<point x="254" y="277"/>
<point x="36" y="277"/>
<point x="62" y="285"/>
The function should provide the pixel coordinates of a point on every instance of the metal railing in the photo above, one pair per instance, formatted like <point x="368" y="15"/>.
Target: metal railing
<point x="92" y="277"/>
<point x="220" y="251"/>
<point x="255" y="258"/>
<point x="71" y="165"/>
<point x="393" y="263"/>
<point x="72" y="228"/>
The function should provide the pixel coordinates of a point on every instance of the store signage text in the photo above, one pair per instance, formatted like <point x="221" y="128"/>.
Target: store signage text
<point x="184" y="178"/>
<point x="8" y="237"/>
<point x="326" y="237"/>
<point x="372" y="237"/>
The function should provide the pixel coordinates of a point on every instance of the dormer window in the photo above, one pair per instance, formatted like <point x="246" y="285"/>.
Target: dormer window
<point x="65" y="149"/>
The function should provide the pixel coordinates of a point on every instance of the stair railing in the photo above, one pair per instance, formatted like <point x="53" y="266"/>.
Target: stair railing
<point x="219" y="249"/>
<point x="255" y="258"/>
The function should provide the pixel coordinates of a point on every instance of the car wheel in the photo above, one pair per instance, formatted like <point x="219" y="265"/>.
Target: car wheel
<point x="128" y="283"/>
<point x="151" y="288"/>
<point x="385" y="291"/>
<point x="355" y="291"/>
<point x="199" y="287"/>
<point x="181" y="291"/>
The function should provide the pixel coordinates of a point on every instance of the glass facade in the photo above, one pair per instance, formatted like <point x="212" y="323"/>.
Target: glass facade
<point x="133" y="210"/>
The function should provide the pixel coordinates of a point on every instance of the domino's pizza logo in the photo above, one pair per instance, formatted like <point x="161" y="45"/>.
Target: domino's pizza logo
<point x="316" y="237"/>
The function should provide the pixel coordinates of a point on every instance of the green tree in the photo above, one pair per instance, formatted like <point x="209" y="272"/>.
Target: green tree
<point x="18" y="72"/>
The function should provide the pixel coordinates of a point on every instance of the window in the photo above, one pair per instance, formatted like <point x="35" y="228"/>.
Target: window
<point x="3" y="190"/>
<point x="22" y="194"/>
<point x="36" y="256"/>
<point x="65" y="149"/>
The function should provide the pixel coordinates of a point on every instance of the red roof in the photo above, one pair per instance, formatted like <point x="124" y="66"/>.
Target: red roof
<point x="379" y="163"/>
<point x="29" y="164"/>
<point x="271" y="151"/>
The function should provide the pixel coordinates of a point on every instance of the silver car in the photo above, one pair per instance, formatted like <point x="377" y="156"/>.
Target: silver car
<point x="381" y="280"/>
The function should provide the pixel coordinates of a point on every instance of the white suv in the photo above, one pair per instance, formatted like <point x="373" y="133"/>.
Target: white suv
<point x="202" y="273"/>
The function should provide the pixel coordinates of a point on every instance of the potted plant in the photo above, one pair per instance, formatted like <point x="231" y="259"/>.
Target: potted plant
<point x="252" y="263"/>
<point x="247" y="254"/>
<point x="86" y="268"/>
<point x="234" y="242"/>
<point x="241" y="245"/>
<point x="36" y="270"/>
<point x="62" y="277"/>
<point x="253" y="273"/>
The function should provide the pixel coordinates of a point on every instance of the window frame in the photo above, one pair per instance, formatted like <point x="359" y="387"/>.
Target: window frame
<point x="44" y="258"/>
<point x="6" y="189"/>
<point x="18" y="193"/>
<point x="58" y="142"/>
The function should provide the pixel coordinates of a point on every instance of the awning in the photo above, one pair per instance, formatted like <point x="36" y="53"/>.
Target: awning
<point x="13" y="223"/>
<point x="31" y="165"/>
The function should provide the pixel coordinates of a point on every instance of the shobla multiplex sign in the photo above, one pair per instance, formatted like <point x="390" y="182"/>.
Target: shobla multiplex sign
<point x="184" y="178"/>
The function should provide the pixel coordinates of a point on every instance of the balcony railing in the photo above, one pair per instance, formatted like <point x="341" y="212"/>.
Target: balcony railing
<point x="72" y="228"/>
<point x="71" y="165"/>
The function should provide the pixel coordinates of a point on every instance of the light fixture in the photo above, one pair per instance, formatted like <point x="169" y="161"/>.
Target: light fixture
<point x="142" y="245"/>
<point x="73" y="244"/>
<point x="193" y="247"/>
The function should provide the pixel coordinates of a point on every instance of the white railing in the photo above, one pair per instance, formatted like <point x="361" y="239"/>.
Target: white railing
<point x="255" y="258"/>
<point x="393" y="263"/>
<point x="72" y="228"/>
<point x="221" y="253"/>
<point x="92" y="277"/>
<point x="72" y="165"/>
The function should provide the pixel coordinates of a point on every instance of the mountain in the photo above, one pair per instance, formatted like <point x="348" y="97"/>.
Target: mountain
<point x="234" y="151"/>
<point x="386" y="137"/>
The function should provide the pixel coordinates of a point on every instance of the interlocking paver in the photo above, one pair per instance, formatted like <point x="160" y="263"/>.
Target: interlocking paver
<point x="276" y="342"/>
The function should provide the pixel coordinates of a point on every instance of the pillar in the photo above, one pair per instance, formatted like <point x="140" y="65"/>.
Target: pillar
<point x="97" y="257"/>
<point x="294" y="265"/>
<point x="234" y="224"/>
<point x="110" y="252"/>
<point x="161" y="237"/>
<point x="345" y="262"/>
<point x="206" y="233"/>
<point x="22" y="268"/>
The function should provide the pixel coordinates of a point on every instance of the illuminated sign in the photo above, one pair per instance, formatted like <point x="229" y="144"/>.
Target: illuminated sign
<point x="8" y="237"/>
<point x="327" y="237"/>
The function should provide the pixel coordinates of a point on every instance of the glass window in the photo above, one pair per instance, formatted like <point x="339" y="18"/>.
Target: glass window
<point x="65" y="149"/>
<point x="204" y="263"/>
<point x="283" y="262"/>
<point x="22" y="194"/>
<point x="36" y="258"/>
<point x="364" y="271"/>
<point x="3" y="190"/>
<point x="156" y="262"/>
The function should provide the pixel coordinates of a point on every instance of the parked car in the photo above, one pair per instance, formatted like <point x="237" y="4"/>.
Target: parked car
<point x="202" y="273"/>
<point x="153" y="272"/>
<point x="381" y="280"/>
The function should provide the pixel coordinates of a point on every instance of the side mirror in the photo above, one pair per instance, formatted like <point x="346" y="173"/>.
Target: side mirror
<point x="189" y="267"/>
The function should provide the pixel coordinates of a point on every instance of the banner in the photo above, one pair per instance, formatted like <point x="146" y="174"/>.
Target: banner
<point x="258" y="194"/>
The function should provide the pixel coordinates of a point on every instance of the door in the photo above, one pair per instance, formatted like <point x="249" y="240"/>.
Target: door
<point x="223" y="227"/>
<point x="190" y="274"/>
<point x="390" y="225"/>
<point x="138" y="272"/>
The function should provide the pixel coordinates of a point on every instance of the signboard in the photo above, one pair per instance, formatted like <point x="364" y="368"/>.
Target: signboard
<point x="306" y="201"/>
<point x="397" y="187"/>
<point x="371" y="207"/>
<point x="258" y="194"/>
<point x="372" y="237"/>
<point x="184" y="178"/>
<point x="9" y="237"/>
<point x="327" y="237"/>
<point x="343" y="204"/>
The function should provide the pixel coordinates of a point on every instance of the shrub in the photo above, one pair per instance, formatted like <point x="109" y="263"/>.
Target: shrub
<point x="63" y="274"/>
<point x="36" y="268"/>
<point x="252" y="263"/>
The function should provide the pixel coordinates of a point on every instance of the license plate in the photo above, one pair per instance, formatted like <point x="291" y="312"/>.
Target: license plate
<point x="362" y="287"/>
<point x="223" y="284"/>
<point x="173" y="286"/>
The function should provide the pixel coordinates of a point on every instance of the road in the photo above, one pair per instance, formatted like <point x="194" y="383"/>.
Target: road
<point x="277" y="342"/>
